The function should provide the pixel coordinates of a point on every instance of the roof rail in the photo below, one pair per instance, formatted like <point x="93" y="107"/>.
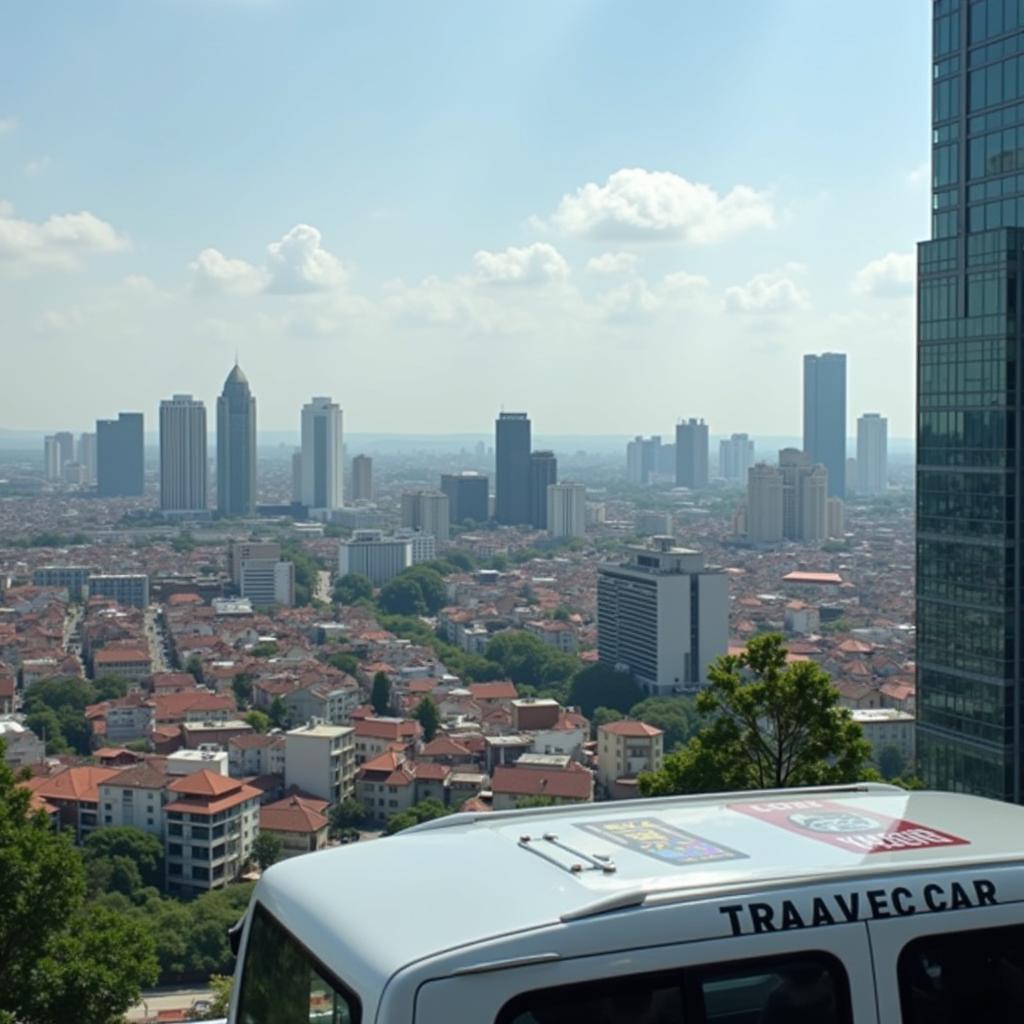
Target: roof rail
<point x="472" y="817"/>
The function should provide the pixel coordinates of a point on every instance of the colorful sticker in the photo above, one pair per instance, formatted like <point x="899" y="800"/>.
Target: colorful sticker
<point x="848" y="827"/>
<point x="661" y="840"/>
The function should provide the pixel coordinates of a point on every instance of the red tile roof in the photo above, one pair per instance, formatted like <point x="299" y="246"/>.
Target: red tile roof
<point x="566" y="784"/>
<point x="79" y="783"/>
<point x="293" y="814"/>
<point x="204" y="783"/>
<point x="387" y="728"/>
<point x="635" y="730"/>
<point x="504" y="690"/>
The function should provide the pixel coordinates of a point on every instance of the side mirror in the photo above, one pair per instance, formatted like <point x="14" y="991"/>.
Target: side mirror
<point x="235" y="935"/>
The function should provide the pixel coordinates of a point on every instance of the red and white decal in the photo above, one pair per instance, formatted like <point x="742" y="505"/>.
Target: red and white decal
<point x="848" y="827"/>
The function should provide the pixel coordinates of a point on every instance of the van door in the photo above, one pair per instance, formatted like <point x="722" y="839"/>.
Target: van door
<point x="963" y="966"/>
<point x="814" y="976"/>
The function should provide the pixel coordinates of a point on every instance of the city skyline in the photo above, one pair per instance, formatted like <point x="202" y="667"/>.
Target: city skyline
<point x="383" y="257"/>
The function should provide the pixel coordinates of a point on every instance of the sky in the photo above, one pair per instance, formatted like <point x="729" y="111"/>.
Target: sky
<point x="608" y="214"/>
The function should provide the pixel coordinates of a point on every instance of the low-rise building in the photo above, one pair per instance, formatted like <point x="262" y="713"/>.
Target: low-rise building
<point x="624" y="750"/>
<point x="888" y="727"/>
<point x="129" y="589"/>
<point x="122" y="662"/>
<point x="386" y="785"/>
<point x="556" y="778"/>
<point x="299" y="822"/>
<point x="375" y="735"/>
<point x="134" y="797"/>
<point x="256" y="754"/>
<point x="75" y="793"/>
<point x="22" y="746"/>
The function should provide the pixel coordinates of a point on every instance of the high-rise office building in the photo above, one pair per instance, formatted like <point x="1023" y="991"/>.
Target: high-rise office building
<point x="374" y="556"/>
<point x="428" y="512"/>
<point x="268" y="582"/>
<point x="512" y="468"/>
<point x="120" y="457"/>
<point x="236" y="446"/>
<point x="566" y="513"/>
<point x="183" y="470"/>
<point x="692" y="454"/>
<point x="804" y="494"/>
<point x="764" y="504"/>
<point x="467" y="496"/>
<point x="663" y="615"/>
<point x="825" y="416"/>
<point x="735" y="457"/>
<point x="65" y="448"/>
<point x="970" y="463"/>
<point x="543" y="471"/>
<point x="322" y="454"/>
<point x="51" y="458"/>
<point x="87" y="457"/>
<point x="643" y="458"/>
<point x="872" y="454"/>
<point x="362" y="478"/>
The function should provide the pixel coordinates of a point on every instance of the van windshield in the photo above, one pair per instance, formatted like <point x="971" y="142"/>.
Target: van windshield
<point x="283" y="984"/>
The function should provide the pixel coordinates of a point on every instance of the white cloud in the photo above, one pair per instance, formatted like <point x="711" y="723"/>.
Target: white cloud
<point x="890" y="276"/>
<point x="37" y="166"/>
<point x="682" y="282"/>
<point x="535" y="264"/>
<point x="212" y="271"/>
<point x="639" y="205"/>
<point x="612" y="263"/>
<point x="771" y="292"/>
<point x="298" y="263"/>
<point x="59" y="241"/>
<point x="8" y="125"/>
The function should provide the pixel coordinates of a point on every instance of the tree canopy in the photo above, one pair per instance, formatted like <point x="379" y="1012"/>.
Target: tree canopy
<point x="601" y="686"/>
<point x="267" y="850"/>
<point x="352" y="587"/>
<point x="380" y="695"/>
<point x="765" y="725"/>
<point x="425" y="810"/>
<point x="676" y="716"/>
<point x="427" y="715"/>
<point x="59" y="961"/>
<point x="144" y="851"/>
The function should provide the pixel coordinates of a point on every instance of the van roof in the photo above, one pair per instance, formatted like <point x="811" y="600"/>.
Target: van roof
<point x="369" y="909"/>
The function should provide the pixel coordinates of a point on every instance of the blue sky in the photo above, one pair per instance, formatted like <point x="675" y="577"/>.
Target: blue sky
<point x="610" y="214"/>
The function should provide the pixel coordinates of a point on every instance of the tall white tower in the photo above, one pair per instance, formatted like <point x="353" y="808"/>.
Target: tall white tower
<point x="872" y="454"/>
<point x="322" y="455"/>
<point x="183" y="468"/>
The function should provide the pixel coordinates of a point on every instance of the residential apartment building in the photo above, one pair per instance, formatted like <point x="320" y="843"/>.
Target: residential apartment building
<point x="374" y="556"/>
<point x="624" y="750"/>
<point x="129" y="589"/>
<point x="567" y="510"/>
<point x="764" y="504"/>
<point x="320" y="760"/>
<point x="135" y="798"/>
<point x="427" y="512"/>
<point x="362" y="478"/>
<point x="183" y="467"/>
<point x="872" y="454"/>
<point x="735" y="457"/>
<point x="74" y="578"/>
<point x="692" y="454"/>
<point x="268" y="583"/>
<point x="212" y="822"/>
<point x="322" y="473"/>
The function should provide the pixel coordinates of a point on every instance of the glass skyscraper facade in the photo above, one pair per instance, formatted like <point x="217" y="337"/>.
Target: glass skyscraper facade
<point x="512" y="468"/>
<point x="825" y="416"/>
<point x="969" y="469"/>
<point x="236" y="447"/>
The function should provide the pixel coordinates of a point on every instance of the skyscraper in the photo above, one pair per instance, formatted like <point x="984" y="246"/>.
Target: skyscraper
<point x="872" y="454"/>
<point x="543" y="471"/>
<point x="970" y="475"/>
<point x="735" y="457"/>
<point x="764" y="504"/>
<point x="322" y="454"/>
<point x="663" y="615"/>
<point x="692" y="454"/>
<point x="51" y="458"/>
<point x="566" y="512"/>
<point x="642" y="458"/>
<point x="120" y="456"/>
<point x="236" y="446"/>
<point x="825" y="416"/>
<point x="467" y="495"/>
<point x="512" y="465"/>
<point x="183" y="470"/>
<point x="362" y="478"/>
<point x="427" y="511"/>
<point x="804" y="496"/>
<point x="87" y="456"/>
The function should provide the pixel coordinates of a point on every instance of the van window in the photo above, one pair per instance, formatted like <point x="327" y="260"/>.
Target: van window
<point x="968" y="976"/>
<point x="806" y="988"/>
<point x="283" y="984"/>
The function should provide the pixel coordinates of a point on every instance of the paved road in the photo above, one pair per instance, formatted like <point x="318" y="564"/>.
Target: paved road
<point x="155" y="636"/>
<point x="158" y="999"/>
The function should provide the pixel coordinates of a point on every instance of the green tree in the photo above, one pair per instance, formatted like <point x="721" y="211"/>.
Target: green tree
<point x="220" y="990"/>
<point x="264" y="649"/>
<point x="402" y="596"/>
<point x="195" y="667"/>
<point x="43" y="721"/>
<point x="143" y="850"/>
<point x="58" y="962"/>
<point x="348" y="814"/>
<point x="267" y="850"/>
<point x="241" y="685"/>
<point x="521" y="656"/>
<point x="344" y="662"/>
<point x="676" y="716"/>
<point x="380" y="696"/>
<point x="352" y="587"/>
<point x="425" y="810"/>
<point x="431" y="584"/>
<point x="279" y="717"/>
<point x="259" y="720"/>
<point x="527" y="802"/>
<point x="768" y="725"/>
<point x="110" y="687"/>
<point x="426" y="714"/>
<point x="891" y="762"/>
<point x="600" y="685"/>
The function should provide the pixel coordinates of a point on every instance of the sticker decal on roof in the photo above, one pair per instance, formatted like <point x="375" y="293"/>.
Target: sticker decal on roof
<point x="659" y="839"/>
<point x="847" y="827"/>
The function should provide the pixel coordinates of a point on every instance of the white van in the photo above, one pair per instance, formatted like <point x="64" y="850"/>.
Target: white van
<point x="853" y="905"/>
